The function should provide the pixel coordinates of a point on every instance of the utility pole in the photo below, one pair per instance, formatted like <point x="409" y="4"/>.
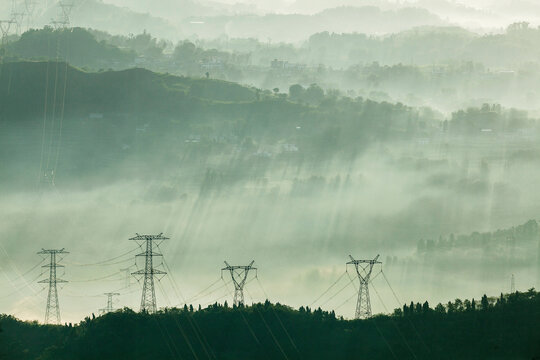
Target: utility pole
<point x="364" y="269"/>
<point x="239" y="275"/>
<point x="512" y="284"/>
<point x="109" y="307"/>
<point x="52" y="312"/>
<point x="148" y="298"/>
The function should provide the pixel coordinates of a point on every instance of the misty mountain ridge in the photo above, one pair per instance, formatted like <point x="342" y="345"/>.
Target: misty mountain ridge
<point x="203" y="22"/>
<point x="298" y="27"/>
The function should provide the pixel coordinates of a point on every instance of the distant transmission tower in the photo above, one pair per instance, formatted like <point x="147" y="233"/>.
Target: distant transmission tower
<point x="5" y="26"/>
<point x="109" y="307"/>
<point x="52" y="312"/>
<point x="363" y="270"/>
<point x="63" y="20"/>
<point x="128" y="276"/>
<point x="29" y="9"/>
<point x="239" y="275"/>
<point x="513" y="284"/>
<point x="148" y="298"/>
<point x="18" y="18"/>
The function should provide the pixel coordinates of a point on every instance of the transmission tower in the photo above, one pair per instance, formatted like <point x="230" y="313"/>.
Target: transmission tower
<point x="52" y="312"/>
<point x="148" y="298"/>
<point x="18" y="18"/>
<point x="63" y="20"/>
<point x="364" y="269"/>
<point x="5" y="26"/>
<point x="29" y="9"/>
<point x="128" y="276"/>
<point x="512" y="284"/>
<point x="109" y="307"/>
<point x="239" y="275"/>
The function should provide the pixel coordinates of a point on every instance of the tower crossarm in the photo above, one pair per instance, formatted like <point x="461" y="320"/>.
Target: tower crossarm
<point x="139" y="237"/>
<point x="149" y="271"/>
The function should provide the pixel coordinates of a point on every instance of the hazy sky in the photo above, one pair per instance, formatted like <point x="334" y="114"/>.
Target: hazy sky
<point x="394" y="196"/>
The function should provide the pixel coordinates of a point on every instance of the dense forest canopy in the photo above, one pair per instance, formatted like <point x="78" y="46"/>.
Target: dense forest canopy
<point x="465" y="329"/>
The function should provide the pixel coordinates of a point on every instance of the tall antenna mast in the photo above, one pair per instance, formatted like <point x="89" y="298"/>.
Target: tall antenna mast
<point x="52" y="312"/>
<point x="364" y="268"/>
<point x="148" y="297"/>
<point x="239" y="275"/>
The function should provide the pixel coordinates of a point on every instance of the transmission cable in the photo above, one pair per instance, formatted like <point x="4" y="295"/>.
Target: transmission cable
<point x="410" y="321"/>
<point x="336" y="294"/>
<point x="104" y="262"/>
<point x="196" y="329"/>
<point x="100" y="278"/>
<point x="327" y="290"/>
<point x="394" y="323"/>
<point x="278" y="318"/>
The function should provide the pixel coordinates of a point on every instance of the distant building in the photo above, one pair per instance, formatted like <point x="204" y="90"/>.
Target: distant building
<point x="193" y="139"/>
<point x="285" y="65"/>
<point x="289" y="148"/>
<point x="213" y="63"/>
<point x="95" y="116"/>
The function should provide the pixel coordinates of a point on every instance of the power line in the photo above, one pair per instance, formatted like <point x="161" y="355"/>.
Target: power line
<point x="194" y="325"/>
<point x="278" y="318"/>
<point x="106" y="262"/>
<point x="395" y="325"/>
<point x="327" y="290"/>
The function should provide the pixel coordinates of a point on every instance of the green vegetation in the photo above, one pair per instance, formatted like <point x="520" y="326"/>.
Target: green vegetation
<point x="77" y="46"/>
<point x="521" y="235"/>
<point x="486" y="328"/>
<point x="163" y="111"/>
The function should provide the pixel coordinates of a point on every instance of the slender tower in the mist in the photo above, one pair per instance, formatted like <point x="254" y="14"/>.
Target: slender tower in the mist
<point x="239" y="276"/>
<point x="148" y="297"/>
<point x="52" y="312"/>
<point x="364" y="269"/>
<point x="109" y="307"/>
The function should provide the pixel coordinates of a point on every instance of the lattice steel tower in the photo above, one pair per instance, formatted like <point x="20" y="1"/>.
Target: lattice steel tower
<point x="109" y="306"/>
<point x="239" y="276"/>
<point x="128" y="276"/>
<point x="364" y="269"/>
<point x="512" y="284"/>
<point x="52" y="312"/>
<point x="148" y="298"/>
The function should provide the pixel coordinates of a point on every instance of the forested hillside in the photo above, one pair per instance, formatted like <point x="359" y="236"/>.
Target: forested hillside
<point x="486" y="328"/>
<point x="170" y="114"/>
